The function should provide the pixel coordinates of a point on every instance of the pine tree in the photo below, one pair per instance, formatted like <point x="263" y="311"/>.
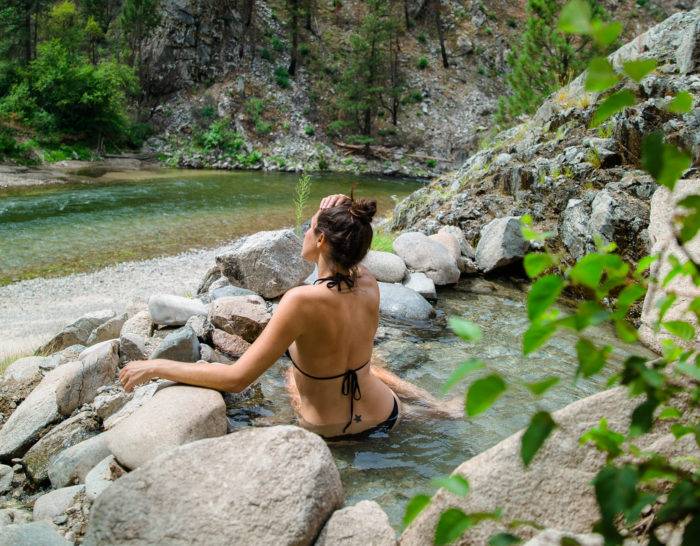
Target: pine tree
<point x="544" y="59"/>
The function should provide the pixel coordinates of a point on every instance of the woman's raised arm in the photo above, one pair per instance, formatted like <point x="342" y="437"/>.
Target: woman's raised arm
<point x="286" y="325"/>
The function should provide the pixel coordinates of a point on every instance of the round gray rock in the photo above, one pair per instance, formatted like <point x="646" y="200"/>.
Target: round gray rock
<point x="364" y="524"/>
<point x="397" y="301"/>
<point x="385" y="266"/>
<point x="31" y="534"/>
<point x="427" y="255"/>
<point x="273" y="485"/>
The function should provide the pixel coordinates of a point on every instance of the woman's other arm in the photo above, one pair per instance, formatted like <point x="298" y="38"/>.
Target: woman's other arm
<point x="285" y="326"/>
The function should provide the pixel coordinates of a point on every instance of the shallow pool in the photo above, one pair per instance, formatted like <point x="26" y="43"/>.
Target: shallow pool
<point x="61" y="229"/>
<point x="392" y="469"/>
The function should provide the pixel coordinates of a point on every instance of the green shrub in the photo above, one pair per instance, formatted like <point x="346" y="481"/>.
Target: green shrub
<point x="219" y="136"/>
<point x="207" y="111"/>
<point x="265" y="54"/>
<point x="262" y="127"/>
<point x="360" y="139"/>
<point x="277" y="44"/>
<point x="282" y="77"/>
<point x="248" y="160"/>
<point x="8" y="144"/>
<point x="422" y="38"/>
<point x="431" y="163"/>
<point x="254" y="107"/>
<point x="335" y="128"/>
<point x="309" y="130"/>
<point x="322" y="163"/>
<point x="304" y="50"/>
<point x="422" y="63"/>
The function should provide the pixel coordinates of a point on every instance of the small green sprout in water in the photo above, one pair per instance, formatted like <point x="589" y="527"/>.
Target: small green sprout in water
<point x="303" y="189"/>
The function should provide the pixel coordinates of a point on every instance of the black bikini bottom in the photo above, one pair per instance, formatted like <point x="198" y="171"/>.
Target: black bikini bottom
<point x="384" y="427"/>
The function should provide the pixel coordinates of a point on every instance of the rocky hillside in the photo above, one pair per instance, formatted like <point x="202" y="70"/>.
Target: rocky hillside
<point x="203" y="63"/>
<point x="572" y="180"/>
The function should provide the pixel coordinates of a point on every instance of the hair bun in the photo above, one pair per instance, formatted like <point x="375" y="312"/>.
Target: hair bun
<point x="363" y="209"/>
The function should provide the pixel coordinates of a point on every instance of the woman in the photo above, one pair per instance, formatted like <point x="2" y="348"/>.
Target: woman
<point x="327" y="329"/>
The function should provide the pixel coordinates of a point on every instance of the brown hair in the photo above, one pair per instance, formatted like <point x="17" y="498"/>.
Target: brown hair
<point x="348" y="229"/>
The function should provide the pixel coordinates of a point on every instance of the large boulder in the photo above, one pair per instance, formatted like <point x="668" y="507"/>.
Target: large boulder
<point x="272" y="485"/>
<point x="663" y="243"/>
<point x="176" y="415"/>
<point x="363" y="524"/>
<point x="73" y="464"/>
<point x="397" y="301"/>
<point x="244" y="316"/>
<point x="501" y="243"/>
<point x="559" y="478"/>
<point x="268" y="262"/>
<point x="385" y="266"/>
<point x="181" y="345"/>
<point x="77" y="332"/>
<point x="169" y="310"/>
<point x="428" y="256"/>
<point x="70" y="432"/>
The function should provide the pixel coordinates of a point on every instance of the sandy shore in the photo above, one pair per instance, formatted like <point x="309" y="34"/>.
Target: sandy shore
<point x="32" y="311"/>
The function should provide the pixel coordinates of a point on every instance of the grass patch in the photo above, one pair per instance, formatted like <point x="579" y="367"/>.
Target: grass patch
<point x="383" y="241"/>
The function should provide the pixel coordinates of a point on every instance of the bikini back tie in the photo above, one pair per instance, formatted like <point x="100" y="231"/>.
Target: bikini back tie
<point x="336" y="279"/>
<point x="350" y="386"/>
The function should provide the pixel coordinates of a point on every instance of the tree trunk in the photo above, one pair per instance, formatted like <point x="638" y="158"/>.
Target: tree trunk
<point x="441" y="34"/>
<point x="405" y="14"/>
<point x="247" y="22"/>
<point x="28" y="34"/>
<point x="294" y="6"/>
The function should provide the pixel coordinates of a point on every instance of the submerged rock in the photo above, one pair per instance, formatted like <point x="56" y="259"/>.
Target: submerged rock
<point x="169" y="310"/>
<point x="176" y="415"/>
<point x="272" y="485"/>
<point x="501" y="244"/>
<point x="363" y="524"/>
<point x="428" y="256"/>
<point x="385" y="266"/>
<point x="397" y="301"/>
<point x="268" y="263"/>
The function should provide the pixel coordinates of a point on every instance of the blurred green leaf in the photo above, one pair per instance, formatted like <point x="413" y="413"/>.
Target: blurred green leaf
<point x="483" y="393"/>
<point x="629" y="295"/>
<point x="612" y="105"/>
<point x="689" y="369"/>
<point x="451" y="525"/>
<point x="625" y="331"/>
<point x="536" y="263"/>
<point x="638" y="68"/>
<point x="644" y="264"/>
<point x="663" y="161"/>
<point x="543" y="293"/>
<point x="575" y="18"/>
<point x="690" y="222"/>
<point x="455" y="484"/>
<point x="590" y="359"/>
<point x="464" y="369"/>
<point x="537" y="335"/>
<point x="680" y="328"/>
<point x="540" y="427"/>
<point x="465" y="329"/>
<point x="538" y="388"/>
<point x="670" y="412"/>
<point x="664" y="304"/>
<point x="605" y="33"/>
<point x="682" y="103"/>
<point x="503" y="539"/>
<point x="414" y="507"/>
<point x="604" y="439"/>
<point x="600" y="75"/>
<point x="643" y="417"/>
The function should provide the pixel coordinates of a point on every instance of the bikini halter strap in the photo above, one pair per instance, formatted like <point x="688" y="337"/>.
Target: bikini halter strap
<point x="335" y="280"/>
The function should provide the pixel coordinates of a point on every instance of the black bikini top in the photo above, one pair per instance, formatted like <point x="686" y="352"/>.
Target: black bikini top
<point x="336" y="279"/>
<point x="350" y="386"/>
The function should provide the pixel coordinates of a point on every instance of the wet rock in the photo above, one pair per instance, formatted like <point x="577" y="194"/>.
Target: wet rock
<point x="359" y="525"/>
<point x="230" y="344"/>
<point x="56" y="502"/>
<point x="132" y="347"/>
<point x="281" y="482"/>
<point x="385" y="266"/>
<point x="6" y="476"/>
<point x="31" y="534"/>
<point x="663" y="242"/>
<point x="422" y="284"/>
<point x="501" y="243"/>
<point x="73" y="464"/>
<point x="553" y="537"/>
<point x="169" y="310"/>
<point x="81" y="379"/>
<point x="77" y="332"/>
<point x="176" y="415"/>
<point x="108" y="330"/>
<point x="70" y="432"/>
<point x="268" y="263"/>
<point x="245" y="316"/>
<point x="140" y="324"/>
<point x="428" y="256"/>
<point x="101" y="477"/>
<point x="181" y="345"/>
<point x="397" y="301"/>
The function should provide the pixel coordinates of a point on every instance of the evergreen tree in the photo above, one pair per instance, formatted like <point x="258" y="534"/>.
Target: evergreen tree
<point x="544" y="59"/>
<point x="136" y="19"/>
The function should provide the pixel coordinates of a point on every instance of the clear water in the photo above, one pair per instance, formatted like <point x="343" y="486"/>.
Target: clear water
<point x="391" y="469"/>
<point x="61" y="229"/>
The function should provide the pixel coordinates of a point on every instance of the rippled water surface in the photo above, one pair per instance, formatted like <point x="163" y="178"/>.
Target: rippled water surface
<point x="390" y="470"/>
<point x="60" y="229"/>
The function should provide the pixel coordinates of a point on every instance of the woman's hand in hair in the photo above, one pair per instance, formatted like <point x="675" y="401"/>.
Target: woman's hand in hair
<point x="333" y="200"/>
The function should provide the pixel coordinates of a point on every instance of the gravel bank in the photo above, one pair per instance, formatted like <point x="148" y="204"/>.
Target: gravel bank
<point x="32" y="311"/>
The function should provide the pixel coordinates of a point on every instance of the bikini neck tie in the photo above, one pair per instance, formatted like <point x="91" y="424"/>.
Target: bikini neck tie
<point x="335" y="280"/>
<point x="351" y="388"/>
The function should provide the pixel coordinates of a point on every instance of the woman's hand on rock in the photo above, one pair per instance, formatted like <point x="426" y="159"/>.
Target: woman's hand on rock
<point x="135" y="373"/>
<point x="333" y="200"/>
